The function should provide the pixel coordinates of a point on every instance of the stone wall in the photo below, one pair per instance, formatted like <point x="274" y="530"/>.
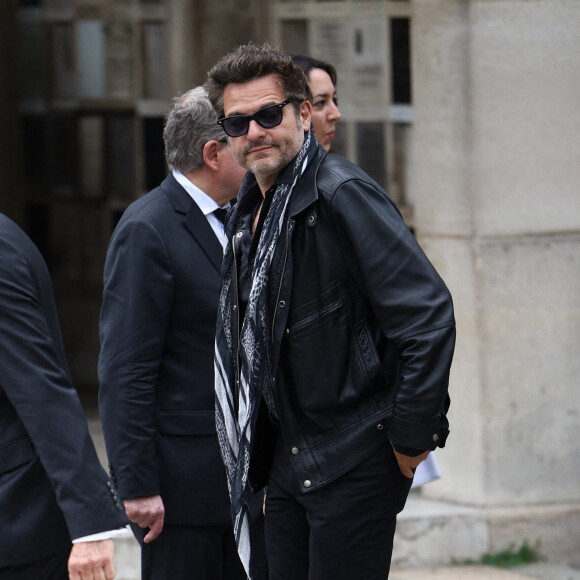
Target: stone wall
<point x="497" y="177"/>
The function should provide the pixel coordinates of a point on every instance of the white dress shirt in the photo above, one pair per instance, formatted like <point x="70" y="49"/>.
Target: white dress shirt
<point x="205" y="203"/>
<point x="101" y="536"/>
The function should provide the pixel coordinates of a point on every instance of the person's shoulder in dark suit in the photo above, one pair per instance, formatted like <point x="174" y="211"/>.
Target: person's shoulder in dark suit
<point x="52" y="486"/>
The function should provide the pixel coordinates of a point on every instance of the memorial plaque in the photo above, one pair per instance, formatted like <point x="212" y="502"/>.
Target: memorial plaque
<point x="155" y="61"/>
<point x="328" y="41"/>
<point x="63" y="68"/>
<point x="90" y="57"/>
<point x="119" y="62"/>
<point x="369" y="63"/>
<point x="358" y="50"/>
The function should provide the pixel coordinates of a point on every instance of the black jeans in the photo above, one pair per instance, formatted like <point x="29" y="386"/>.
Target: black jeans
<point x="343" y="531"/>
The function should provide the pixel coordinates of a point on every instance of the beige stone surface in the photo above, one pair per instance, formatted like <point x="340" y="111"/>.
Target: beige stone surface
<point x="530" y="331"/>
<point x="441" y="110"/>
<point x="555" y="527"/>
<point x="437" y="533"/>
<point x="525" y="120"/>
<point x="496" y="149"/>
<point x="462" y="462"/>
<point x="456" y="573"/>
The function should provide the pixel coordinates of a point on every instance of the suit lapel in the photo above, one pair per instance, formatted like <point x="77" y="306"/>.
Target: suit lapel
<point x="194" y="221"/>
<point x="200" y="229"/>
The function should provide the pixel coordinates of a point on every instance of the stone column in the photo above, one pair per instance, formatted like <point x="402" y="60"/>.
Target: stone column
<point x="444" y="221"/>
<point x="497" y="177"/>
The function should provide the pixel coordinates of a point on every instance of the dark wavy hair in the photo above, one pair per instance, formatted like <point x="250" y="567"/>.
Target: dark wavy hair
<point x="249" y="62"/>
<point x="307" y="63"/>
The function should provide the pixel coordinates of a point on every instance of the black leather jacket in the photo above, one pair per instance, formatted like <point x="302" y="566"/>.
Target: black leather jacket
<point x="362" y="328"/>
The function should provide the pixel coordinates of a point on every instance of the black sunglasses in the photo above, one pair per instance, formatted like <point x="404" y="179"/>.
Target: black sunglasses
<point x="268" y="117"/>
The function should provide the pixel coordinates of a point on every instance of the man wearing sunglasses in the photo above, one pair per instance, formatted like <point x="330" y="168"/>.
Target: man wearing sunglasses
<point x="334" y="340"/>
<point x="162" y="277"/>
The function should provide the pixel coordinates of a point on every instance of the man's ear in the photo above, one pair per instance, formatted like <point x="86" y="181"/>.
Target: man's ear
<point x="306" y="114"/>
<point x="210" y="154"/>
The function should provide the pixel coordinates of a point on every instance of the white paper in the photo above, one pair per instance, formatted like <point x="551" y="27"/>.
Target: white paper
<point x="427" y="471"/>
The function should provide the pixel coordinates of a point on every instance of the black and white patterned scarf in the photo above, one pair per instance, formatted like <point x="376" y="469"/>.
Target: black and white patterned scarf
<point x="236" y="419"/>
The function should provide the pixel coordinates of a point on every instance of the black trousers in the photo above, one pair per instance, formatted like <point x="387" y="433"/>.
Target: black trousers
<point x="190" y="552"/>
<point x="52" y="568"/>
<point x="343" y="531"/>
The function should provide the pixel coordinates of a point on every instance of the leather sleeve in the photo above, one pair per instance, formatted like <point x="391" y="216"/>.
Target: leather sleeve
<point x="411" y="303"/>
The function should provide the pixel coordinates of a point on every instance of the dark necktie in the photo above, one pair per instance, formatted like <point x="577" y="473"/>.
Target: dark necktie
<point x="221" y="213"/>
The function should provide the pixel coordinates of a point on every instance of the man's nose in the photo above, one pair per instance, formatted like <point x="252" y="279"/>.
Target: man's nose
<point x="255" y="130"/>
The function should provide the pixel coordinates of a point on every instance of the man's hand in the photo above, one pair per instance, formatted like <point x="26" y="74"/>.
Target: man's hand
<point x="92" y="561"/>
<point x="407" y="464"/>
<point x="146" y="512"/>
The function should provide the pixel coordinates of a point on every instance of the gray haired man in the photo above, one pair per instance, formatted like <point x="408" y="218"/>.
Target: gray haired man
<point x="158" y="318"/>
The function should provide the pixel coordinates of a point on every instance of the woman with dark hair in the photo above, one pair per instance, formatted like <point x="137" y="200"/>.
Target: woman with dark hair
<point x="322" y="80"/>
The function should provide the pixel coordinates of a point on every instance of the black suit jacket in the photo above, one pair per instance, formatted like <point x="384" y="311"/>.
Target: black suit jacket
<point x="52" y="486"/>
<point x="161" y="286"/>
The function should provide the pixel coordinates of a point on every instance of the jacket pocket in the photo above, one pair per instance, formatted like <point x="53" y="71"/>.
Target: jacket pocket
<point x="329" y="362"/>
<point x="15" y="454"/>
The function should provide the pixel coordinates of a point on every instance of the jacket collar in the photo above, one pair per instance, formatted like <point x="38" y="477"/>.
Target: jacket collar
<point x="194" y="220"/>
<point x="306" y="192"/>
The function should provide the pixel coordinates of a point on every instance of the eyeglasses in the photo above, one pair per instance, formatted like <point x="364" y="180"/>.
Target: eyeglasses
<point x="268" y="117"/>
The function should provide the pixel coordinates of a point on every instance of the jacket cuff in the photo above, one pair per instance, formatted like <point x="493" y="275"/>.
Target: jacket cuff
<point x="408" y="451"/>
<point x="414" y="435"/>
<point x="136" y="485"/>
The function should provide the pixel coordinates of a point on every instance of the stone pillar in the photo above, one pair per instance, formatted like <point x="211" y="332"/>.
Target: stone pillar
<point x="444" y="222"/>
<point x="497" y="178"/>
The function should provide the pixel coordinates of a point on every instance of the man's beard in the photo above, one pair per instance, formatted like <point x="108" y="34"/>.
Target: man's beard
<point x="274" y="161"/>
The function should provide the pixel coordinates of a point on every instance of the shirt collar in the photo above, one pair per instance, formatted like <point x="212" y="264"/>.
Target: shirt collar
<point x="205" y="203"/>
